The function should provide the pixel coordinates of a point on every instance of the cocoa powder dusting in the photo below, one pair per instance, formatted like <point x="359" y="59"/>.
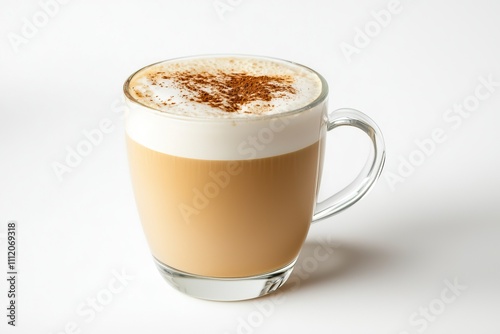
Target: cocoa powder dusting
<point x="228" y="91"/>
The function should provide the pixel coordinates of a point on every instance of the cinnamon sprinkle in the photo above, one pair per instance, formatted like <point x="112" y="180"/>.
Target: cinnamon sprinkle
<point x="228" y="91"/>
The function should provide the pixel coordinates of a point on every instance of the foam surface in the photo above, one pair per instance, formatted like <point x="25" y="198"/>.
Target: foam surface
<point x="156" y="86"/>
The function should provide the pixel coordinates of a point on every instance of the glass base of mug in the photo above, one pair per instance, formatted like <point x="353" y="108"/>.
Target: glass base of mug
<point x="224" y="289"/>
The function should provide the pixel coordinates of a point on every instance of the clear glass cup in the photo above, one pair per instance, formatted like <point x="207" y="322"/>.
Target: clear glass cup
<point x="227" y="221"/>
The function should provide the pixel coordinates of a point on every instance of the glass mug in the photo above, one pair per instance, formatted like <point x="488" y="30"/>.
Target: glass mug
<point x="226" y="202"/>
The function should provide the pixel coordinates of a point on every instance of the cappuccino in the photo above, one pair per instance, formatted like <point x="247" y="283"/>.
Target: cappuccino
<point x="224" y="166"/>
<point x="225" y="156"/>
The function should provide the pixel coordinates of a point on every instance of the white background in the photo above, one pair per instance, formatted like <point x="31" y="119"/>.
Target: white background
<point x="395" y="252"/>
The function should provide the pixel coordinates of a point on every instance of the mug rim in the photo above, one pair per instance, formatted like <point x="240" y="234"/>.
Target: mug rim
<point x="319" y="99"/>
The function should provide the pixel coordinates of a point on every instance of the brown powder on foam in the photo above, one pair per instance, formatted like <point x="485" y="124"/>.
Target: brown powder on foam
<point x="228" y="91"/>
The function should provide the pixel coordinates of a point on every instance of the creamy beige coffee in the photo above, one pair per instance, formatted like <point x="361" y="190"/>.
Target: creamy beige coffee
<point x="224" y="218"/>
<point x="224" y="169"/>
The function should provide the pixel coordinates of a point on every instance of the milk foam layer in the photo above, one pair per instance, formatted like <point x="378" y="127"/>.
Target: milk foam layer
<point x="227" y="137"/>
<point x="165" y="86"/>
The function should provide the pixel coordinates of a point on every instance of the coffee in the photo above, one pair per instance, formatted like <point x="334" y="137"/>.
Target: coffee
<point x="224" y="218"/>
<point x="225" y="155"/>
<point x="225" y="177"/>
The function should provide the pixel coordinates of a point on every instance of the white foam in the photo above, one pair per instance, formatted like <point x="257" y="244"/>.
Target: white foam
<point x="164" y="95"/>
<point x="239" y="137"/>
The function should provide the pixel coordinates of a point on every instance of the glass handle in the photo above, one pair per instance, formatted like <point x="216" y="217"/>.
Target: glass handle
<point x="368" y="175"/>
